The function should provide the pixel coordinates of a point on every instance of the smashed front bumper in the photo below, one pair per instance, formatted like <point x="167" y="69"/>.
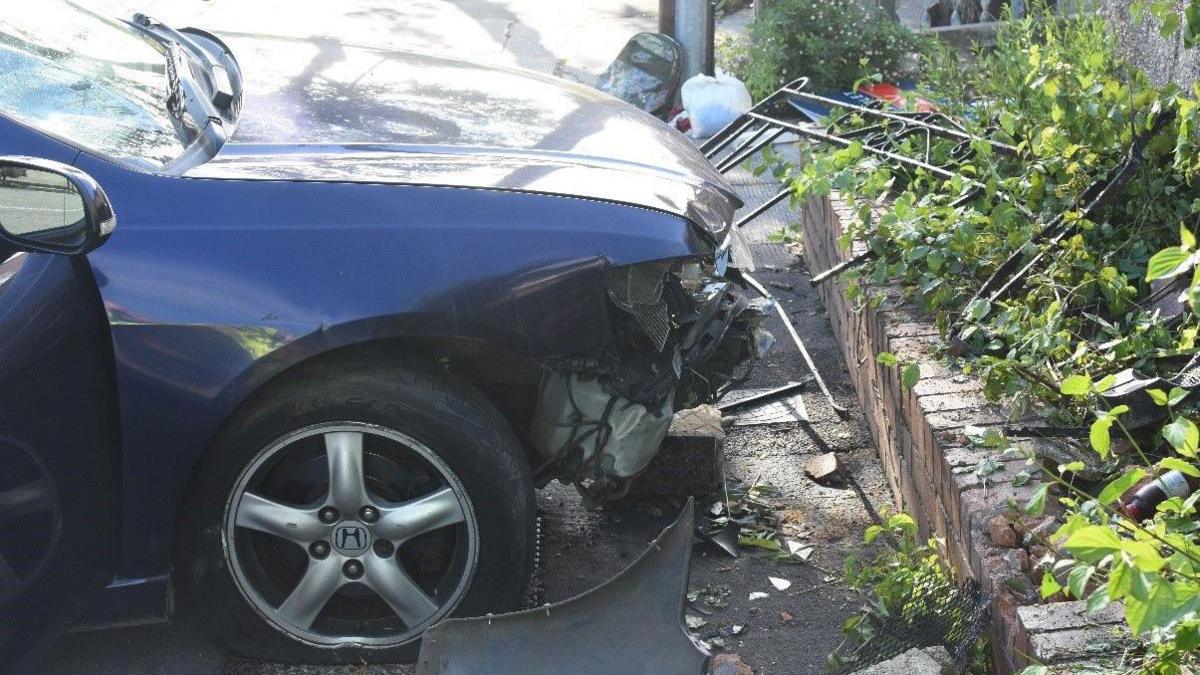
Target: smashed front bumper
<point x="682" y="334"/>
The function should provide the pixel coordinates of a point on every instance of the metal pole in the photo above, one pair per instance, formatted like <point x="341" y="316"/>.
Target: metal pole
<point x="693" y="31"/>
<point x="666" y="17"/>
<point x="841" y="410"/>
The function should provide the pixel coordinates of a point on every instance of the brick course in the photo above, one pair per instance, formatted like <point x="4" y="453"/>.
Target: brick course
<point x="929" y="466"/>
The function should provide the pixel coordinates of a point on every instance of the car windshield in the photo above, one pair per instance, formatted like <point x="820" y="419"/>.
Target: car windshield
<point x="95" y="82"/>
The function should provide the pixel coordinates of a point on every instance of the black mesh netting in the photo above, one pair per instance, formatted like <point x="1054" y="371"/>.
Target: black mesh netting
<point x="937" y="613"/>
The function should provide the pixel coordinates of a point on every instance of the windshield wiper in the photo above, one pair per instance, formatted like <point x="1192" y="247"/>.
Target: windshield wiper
<point x="175" y="96"/>
<point x="197" y="116"/>
<point x="183" y="97"/>
<point x="185" y="50"/>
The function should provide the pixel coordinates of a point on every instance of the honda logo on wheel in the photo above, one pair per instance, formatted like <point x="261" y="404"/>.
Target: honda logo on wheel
<point x="351" y="538"/>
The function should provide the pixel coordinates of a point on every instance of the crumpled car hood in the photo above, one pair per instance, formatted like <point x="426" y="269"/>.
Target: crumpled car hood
<point x="319" y="110"/>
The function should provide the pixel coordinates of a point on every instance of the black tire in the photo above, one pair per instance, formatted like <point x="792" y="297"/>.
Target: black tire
<point x="448" y="415"/>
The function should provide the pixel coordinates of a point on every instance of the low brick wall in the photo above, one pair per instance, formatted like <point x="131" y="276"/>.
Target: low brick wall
<point x="930" y="466"/>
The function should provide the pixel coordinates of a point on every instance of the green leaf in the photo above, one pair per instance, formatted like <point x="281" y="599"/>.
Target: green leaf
<point x="1120" y="581"/>
<point x="886" y="359"/>
<point x="1092" y="543"/>
<point x="1187" y="637"/>
<point x="1183" y="435"/>
<point x="1113" y="491"/>
<point x="1167" y="603"/>
<point x="872" y="533"/>
<point x="1098" y="600"/>
<point x="1167" y="263"/>
<point x="978" y="309"/>
<point x="759" y="542"/>
<point x="1192" y="14"/>
<point x="1186" y="238"/>
<point x="1072" y="467"/>
<point x="1037" y="503"/>
<point x="1050" y="585"/>
<point x="1158" y="396"/>
<point x="1035" y="670"/>
<point x="1174" y="463"/>
<point x="1176" y="396"/>
<point x="935" y="260"/>
<point x="1170" y="24"/>
<point x="1100" y="437"/>
<point x="1076" y="385"/>
<point x="910" y="375"/>
<point x="902" y="521"/>
<point x="1078" y="578"/>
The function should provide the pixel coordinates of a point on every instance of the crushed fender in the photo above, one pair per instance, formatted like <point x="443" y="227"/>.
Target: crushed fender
<point x="635" y="617"/>
<point x="683" y="334"/>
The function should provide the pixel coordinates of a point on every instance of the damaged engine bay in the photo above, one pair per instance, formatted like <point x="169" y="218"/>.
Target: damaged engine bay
<point x="682" y="333"/>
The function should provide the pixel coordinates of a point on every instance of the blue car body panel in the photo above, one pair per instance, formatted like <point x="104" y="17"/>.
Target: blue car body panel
<point x="214" y="286"/>
<point x="59" y="484"/>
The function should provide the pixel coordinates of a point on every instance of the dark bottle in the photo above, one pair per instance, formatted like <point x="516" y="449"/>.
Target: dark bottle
<point x="1144" y="502"/>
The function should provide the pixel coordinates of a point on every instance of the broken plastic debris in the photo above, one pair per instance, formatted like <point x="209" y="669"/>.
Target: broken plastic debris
<point x="798" y="550"/>
<point x="780" y="584"/>
<point x="725" y="539"/>
<point x="695" y="622"/>
<point x="758" y="595"/>
<point x="737" y="629"/>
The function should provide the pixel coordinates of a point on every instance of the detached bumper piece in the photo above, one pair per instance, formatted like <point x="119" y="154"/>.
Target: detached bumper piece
<point x="634" y="618"/>
<point x="682" y="335"/>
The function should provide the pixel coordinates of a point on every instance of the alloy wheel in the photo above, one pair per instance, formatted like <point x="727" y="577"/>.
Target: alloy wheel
<point x="350" y="534"/>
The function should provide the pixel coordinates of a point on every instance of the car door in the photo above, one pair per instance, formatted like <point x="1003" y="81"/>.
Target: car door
<point x="58" y="421"/>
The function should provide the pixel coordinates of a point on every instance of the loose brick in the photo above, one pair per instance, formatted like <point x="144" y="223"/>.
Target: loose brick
<point x="823" y="468"/>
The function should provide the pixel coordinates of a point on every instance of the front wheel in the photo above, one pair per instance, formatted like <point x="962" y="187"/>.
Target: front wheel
<point x="352" y="507"/>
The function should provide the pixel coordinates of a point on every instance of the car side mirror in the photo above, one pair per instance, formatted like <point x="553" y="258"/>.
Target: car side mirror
<point x="51" y="207"/>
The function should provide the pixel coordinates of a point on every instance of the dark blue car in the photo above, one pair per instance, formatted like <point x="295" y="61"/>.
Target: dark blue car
<point x="296" y="328"/>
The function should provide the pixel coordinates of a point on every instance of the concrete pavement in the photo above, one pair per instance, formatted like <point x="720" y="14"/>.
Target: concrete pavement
<point x="575" y="39"/>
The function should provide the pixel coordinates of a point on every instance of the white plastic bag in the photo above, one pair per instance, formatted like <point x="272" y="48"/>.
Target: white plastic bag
<point x="713" y="102"/>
